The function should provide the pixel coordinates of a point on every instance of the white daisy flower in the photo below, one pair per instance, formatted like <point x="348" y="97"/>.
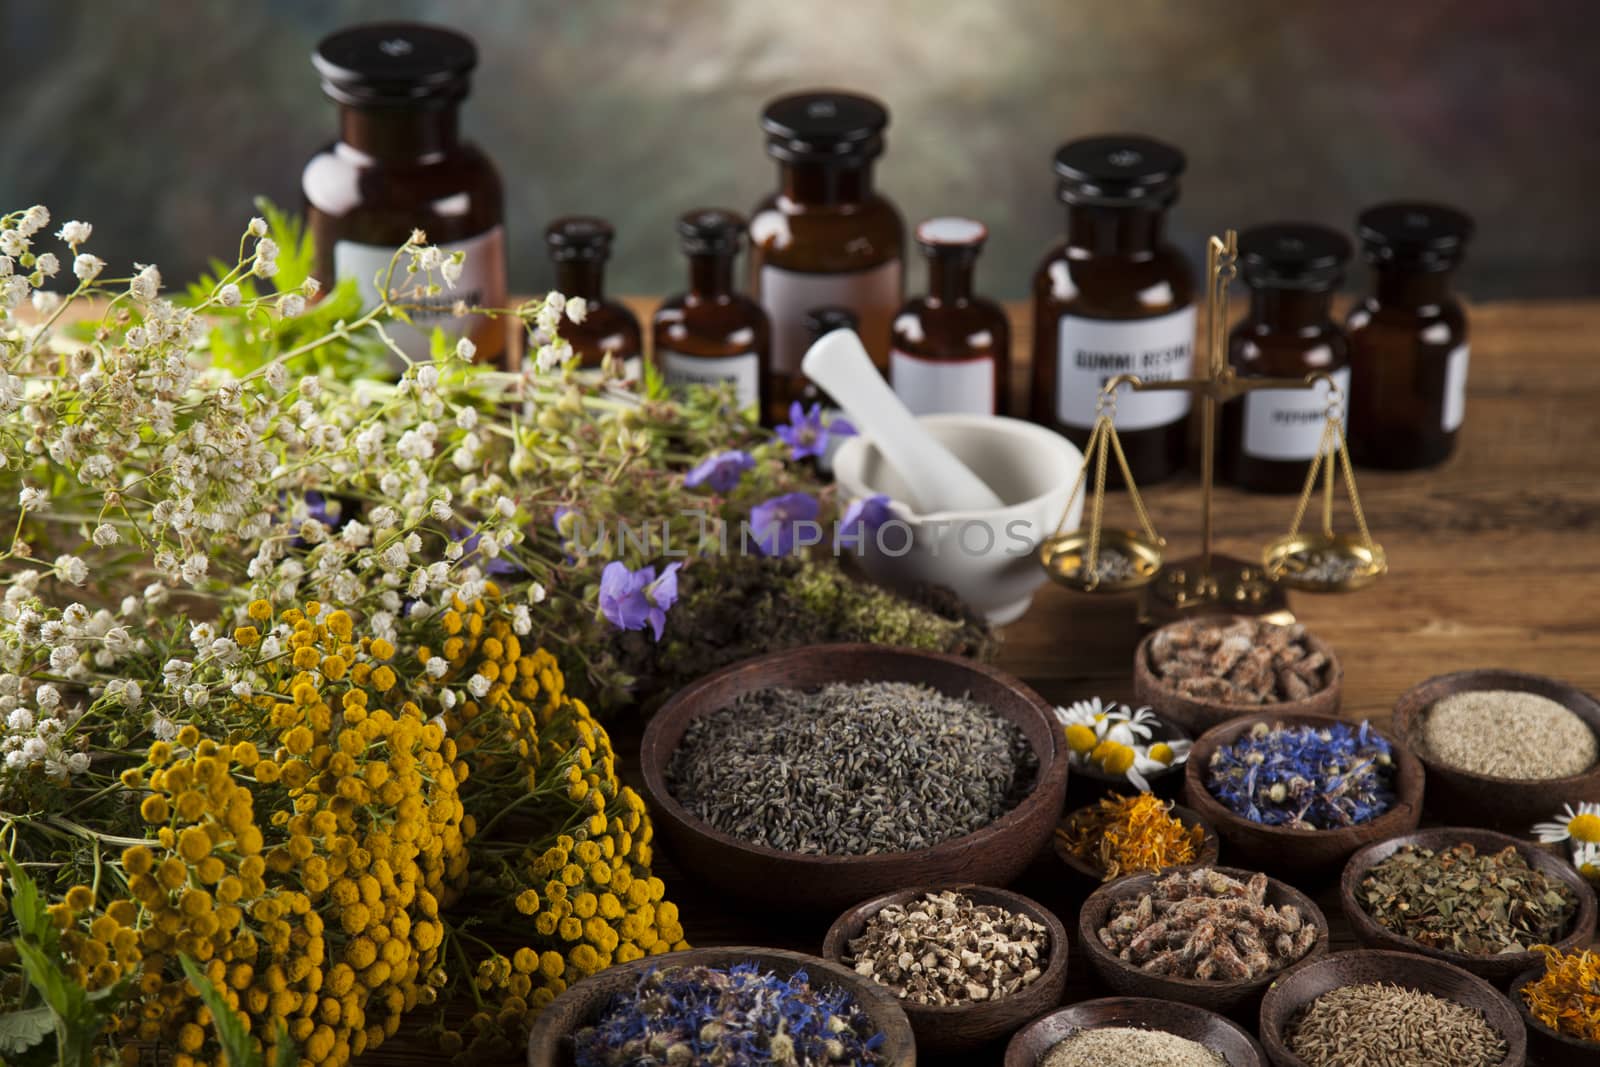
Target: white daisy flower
<point x="1581" y="825"/>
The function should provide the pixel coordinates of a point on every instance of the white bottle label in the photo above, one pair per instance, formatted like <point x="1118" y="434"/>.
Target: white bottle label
<point x="1455" y="389"/>
<point x="1093" y="351"/>
<point x="937" y="386"/>
<point x="1286" y="424"/>
<point x="482" y="284"/>
<point x="743" y="371"/>
<point x="874" y="295"/>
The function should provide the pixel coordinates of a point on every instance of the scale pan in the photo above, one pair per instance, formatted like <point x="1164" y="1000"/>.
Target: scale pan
<point x="1128" y="560"/>
<point x="1320" y="563"/>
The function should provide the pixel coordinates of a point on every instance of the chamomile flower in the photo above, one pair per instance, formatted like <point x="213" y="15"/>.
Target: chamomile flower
<point x="1115" y="739"/>
<point x="1580" y="825"/>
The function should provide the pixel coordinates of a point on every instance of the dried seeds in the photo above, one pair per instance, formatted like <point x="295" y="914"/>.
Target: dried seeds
<point x="1203" y="924"/>
<point x="1508" y="734"/>
<point x="947" y="949"/>
<point x="1238" y="661"/>
<point x="1127" y="1046"/>
<point x="1379" y="1024"/>
<point x="851" y="769"/>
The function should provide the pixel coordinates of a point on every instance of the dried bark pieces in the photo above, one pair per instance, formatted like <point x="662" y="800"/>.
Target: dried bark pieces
<point x="1238" y="661"/>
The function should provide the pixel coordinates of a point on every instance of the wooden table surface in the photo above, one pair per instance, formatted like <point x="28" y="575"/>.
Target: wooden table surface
<point x="1494" y="561"/>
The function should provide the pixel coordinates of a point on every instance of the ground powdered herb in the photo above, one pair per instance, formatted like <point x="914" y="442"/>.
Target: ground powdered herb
<point x="1566" y="998"/>
<point x="1508" y="734"/>
<point x="1127" y="1046"/>
<point x="1130" y="835"/>
<point x="1461" y="900"/>
<point x="1380" y="1024"/>
<point x="947" y="949"/>
<point x="1204" y="924"/>
<point x="851" y="769"/>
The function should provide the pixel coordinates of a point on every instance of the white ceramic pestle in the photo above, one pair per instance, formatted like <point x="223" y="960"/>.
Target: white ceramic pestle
<point x="936" y="478"/>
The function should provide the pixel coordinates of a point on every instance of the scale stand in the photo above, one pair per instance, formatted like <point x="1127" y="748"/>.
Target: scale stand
<point x="1093" y="559"/>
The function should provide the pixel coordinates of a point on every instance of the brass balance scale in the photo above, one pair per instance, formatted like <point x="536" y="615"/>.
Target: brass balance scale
<point x="1092" y="559"/>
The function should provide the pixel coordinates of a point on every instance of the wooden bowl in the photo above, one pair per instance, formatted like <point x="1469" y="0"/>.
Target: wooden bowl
<point x="956" y="1028"/>
<point x="1087" y="784"/>
<point x="1511" y="804"/>
<point x="1547" y="1047"/>
<point x="1299" y="986"/>
<point x="1199" y="716"/>
<point x="1088" y="875"/>
<point x="992" y="855"/>
<point x="1228" y="1039"/>
<point x="550" y="1040"/>
<point x="1237" y="999"/>
<point x="1299" y="855"/>
<point x="1500" y="969"/>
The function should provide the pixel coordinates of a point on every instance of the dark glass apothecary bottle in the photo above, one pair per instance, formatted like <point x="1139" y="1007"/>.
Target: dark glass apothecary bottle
<point x="400" y="164"/>
<point x="827" y="237"/>
<point x="1116" y="298"/>
<point x="951" y="349"/>
<point x="711" y="333"/>
<point x="1270" y="436"/>
<point x="1408" y="339"/>
<point x="579" y="246"/>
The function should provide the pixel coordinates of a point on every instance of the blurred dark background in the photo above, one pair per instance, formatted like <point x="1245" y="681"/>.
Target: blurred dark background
<point x="160" y="122"/>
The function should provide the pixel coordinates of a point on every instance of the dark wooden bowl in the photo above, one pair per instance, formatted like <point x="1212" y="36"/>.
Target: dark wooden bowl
<point x="550" y="1044"/>
<point x="1199" y="716"/>
<point x="1499" y="969"/>
<point x="1236" y="999"/>
<point x="993" y="855"/>
<point x="1228" y="1039"/>
<point x="1300" y="855"/>
<point x="1088" y="784"/>
<point x="1089" y="876"/>
<point x="1510" y="804"/>
<point x="1299" y="986"/>
<point x="956" y="1028"/>
<point x="1546" y="1047"/>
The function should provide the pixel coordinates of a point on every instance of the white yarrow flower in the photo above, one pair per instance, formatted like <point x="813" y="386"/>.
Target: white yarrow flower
<point x="577" y="309"/>
<point x="257" y="227"/>
<point x="48" y="265"/>
<point x="146" y="284"/>
<point x="75" y="232"/>
<point x="229" y="296"/>
<point x="87" y="267"/>
<point x="105" y="535"/>
<point x="31" y="499"/>
<point x="466" y="351"/>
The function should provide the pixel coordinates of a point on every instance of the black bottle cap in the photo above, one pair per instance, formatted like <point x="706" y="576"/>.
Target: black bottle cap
<point x="819" y="322"/>
<point x="1293" y="255"/>
<point x="1424" y="236"/>
<point x="395" y="64"/>
<point x="711" y="232"/>
<point x="824" y="125"/>
<point x="951" y="236"/>
<point x="1119" y="170"/>
<point x="579" y="237"/>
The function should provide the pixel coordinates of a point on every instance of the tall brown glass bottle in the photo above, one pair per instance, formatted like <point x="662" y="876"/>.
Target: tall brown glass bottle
<point x="826" y="237"/>
<point x="579" y="245"/>
<point x="399" y="165"/>
<point x="1408" y="340"/>
<point x="951" y="350"/>
<point x="1270" y="436"/>
<point x="713" y="334"/>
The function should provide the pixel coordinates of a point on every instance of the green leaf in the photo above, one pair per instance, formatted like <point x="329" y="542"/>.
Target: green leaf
<point x="28" y="906"/>
<point x="63" y="996"/>
<point x="22" y="1030"/>
<point x="286" y="1056"/>
<point x="231" y="1033"/>
<point x="655" y="383"/>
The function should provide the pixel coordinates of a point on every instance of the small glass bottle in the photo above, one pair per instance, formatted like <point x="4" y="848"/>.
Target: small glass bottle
<point x="951" y="350"/>
<point x="400" y="165"/>
<point x="819" y="323"/>
<point x="826" y="237"/>
<point x="1408" y="340"/>
<point x="712" y="334"/>
<point x="1270" y="436"/>
<point x="1116" y="298"/>
<point x="579" y="246"/>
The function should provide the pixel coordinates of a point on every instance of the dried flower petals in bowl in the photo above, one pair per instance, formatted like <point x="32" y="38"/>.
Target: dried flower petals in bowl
<point x="1559" y="1002"/>
<point x="1121" y="836"/>
<point x="1333" y="799"/>
<point x="1111" y="745"/>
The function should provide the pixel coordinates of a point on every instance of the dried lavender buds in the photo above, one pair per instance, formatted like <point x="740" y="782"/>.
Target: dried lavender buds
<point x="1203" y="924"/>
<point x="1127" y="1046"/>
<point x="1238" y="661"/>
<point x="1305" y="777"/>
<point x="1508" y="734"/>
<point x="694" y="1016"/>
<point x="851" y="769"/>
<point x="1379" y="1024"/>
<point x="947" y="949"/>
<point x="1461" y="900"/>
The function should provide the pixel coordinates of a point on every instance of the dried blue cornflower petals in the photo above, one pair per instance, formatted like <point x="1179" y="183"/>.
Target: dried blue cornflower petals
<point x="689" y="1016"/>
<point x="1305" y="777"/>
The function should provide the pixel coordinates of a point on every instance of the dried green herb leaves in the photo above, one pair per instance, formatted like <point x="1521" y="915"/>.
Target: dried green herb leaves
<point x="1460" y="900"/>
